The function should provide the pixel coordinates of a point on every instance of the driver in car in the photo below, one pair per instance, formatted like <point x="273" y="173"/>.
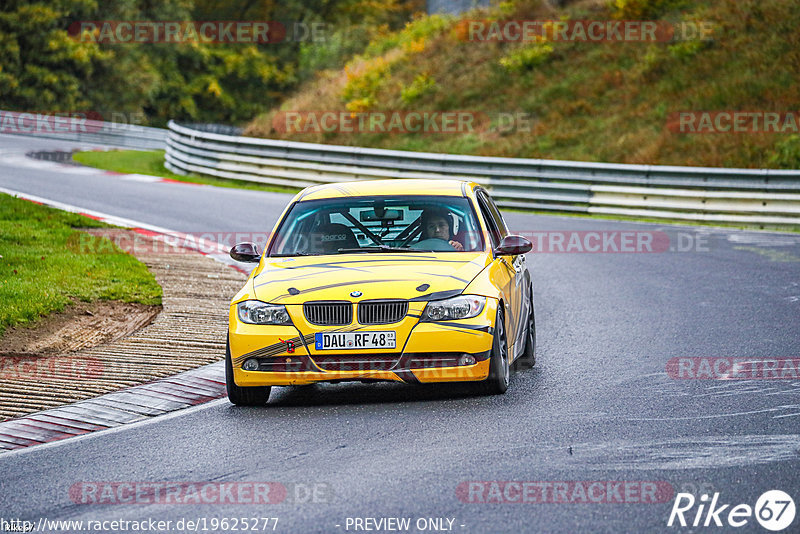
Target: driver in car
<point x="438" y="224"/>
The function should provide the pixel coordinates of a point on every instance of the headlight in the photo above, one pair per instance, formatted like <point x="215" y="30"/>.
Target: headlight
<point x="461" y="307"/>
<point x="257" y="312"/>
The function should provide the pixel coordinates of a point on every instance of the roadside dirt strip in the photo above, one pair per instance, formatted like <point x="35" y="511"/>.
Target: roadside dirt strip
<point x="188" y="333"/>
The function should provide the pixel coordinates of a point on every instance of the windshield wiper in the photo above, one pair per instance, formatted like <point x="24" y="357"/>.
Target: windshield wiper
<point x="289" y="255"/>
<point x="376" y="248"/>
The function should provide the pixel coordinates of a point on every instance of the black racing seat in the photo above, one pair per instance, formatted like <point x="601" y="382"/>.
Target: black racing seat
<point x="328" y="239"/>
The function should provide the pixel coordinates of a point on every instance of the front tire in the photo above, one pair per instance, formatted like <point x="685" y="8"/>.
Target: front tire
<point x="499" y="369"/>
<point x="242" y="396"/>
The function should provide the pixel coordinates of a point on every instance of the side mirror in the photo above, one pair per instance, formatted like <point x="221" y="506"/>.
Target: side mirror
<point x="511" y="245"/>
<point x="246" y="252"/>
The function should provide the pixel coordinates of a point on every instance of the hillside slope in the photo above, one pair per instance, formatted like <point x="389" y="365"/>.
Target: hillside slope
<point x="590" y="101"/>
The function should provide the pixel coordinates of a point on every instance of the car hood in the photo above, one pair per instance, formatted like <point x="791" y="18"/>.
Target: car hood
<point x="421" y="276"/>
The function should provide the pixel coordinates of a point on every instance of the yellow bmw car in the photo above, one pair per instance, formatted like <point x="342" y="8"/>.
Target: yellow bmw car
<point x="414" y="281"/>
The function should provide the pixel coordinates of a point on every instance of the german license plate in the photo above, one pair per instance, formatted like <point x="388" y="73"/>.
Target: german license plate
<point x="355" y="340"/>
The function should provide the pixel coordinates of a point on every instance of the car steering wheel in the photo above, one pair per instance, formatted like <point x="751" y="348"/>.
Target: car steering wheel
<point x="433" y="243"/>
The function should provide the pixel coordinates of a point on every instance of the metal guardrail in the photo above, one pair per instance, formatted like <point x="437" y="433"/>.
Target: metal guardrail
<point x="750" y="196"/>
<point x="83" y="130"/>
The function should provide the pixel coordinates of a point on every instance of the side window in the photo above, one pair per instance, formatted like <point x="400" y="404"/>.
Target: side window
<point x="494" y="232"/>
<point x="498" y="218"/>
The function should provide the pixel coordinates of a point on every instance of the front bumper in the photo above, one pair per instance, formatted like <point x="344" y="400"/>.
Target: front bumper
<point x="426" y="351"/>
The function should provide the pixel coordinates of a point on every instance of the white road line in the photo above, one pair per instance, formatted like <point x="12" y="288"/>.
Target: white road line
<point x="140" y="178"/>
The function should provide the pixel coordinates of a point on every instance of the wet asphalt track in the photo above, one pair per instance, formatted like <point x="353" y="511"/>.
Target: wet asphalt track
<point x="598" y="406"/>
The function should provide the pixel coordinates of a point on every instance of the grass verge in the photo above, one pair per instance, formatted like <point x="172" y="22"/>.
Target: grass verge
<point x="576" y="99"/>
<point x="40" y="272"/>
<point x="151" y="163"/>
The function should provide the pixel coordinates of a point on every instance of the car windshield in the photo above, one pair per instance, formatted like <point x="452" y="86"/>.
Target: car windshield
<point x="378" y="224"/>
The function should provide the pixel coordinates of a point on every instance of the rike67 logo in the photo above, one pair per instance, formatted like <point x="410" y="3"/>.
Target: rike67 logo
<point x="774" y="511"/>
